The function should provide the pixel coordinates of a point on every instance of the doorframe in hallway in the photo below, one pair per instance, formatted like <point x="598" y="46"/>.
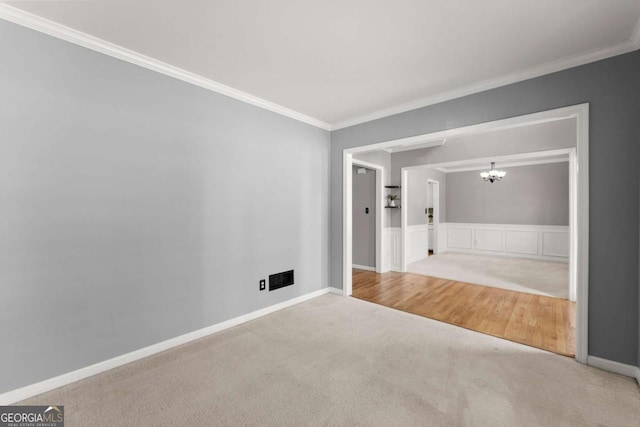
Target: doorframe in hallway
<point x="434" y="186"/>
<point x="404" y="221"/>
<point x="579" y="214"/>
<point x="379" y="203"/>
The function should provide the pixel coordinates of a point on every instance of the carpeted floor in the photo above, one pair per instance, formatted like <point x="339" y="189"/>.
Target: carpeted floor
<point x="517" y="274"/>
<point x="341" y="361"/>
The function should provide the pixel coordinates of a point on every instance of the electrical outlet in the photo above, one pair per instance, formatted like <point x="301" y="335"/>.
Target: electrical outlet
<point x="263" y="285"/>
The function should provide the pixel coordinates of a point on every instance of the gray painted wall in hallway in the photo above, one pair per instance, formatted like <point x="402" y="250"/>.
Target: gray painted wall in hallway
<point x="611" y="87"/>
<point x="534" y="195"/>
<point x="136" y="207"/>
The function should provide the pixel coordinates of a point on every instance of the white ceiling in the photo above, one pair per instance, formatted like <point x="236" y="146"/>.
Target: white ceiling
<point x="335" y="63"/>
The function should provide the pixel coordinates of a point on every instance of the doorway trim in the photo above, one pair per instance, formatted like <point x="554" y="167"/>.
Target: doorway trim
<point x="579" y="245"/>
<point x="435" y="197"/>
<point x="349" y="162"/>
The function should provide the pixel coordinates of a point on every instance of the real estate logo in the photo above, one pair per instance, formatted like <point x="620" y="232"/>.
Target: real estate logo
<point x="31" y="416"/>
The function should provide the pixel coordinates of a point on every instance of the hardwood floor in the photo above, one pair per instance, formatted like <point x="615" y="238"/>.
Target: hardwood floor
<point x="534" y="320"/>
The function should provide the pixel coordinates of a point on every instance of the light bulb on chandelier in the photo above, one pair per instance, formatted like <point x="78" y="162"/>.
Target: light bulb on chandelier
<point x="493" y="174"/>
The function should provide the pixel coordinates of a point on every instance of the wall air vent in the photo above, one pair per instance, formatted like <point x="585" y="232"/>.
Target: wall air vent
<point x="280" y="280"/>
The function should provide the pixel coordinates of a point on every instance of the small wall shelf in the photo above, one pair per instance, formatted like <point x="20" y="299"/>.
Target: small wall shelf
<point x="392" y="190"/>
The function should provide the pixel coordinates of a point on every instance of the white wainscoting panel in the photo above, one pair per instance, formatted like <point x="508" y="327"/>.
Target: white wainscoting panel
<point x="545" y="242"/>
<point x="459" y="236"/>
<point x="418" y="242"/>
<point x="555" y="244"/>
<point x="430" y="237"/>
<point x="522" y="242"/>
<point x="489" y="239"/>
<point x="442" y="238"/>
<point x="393" y="250"/>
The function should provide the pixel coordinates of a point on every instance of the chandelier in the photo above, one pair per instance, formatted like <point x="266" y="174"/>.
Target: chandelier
<point x="493" y="174"/>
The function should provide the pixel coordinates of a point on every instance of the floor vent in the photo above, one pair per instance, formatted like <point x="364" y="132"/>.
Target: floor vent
<point x="280" y="280"/>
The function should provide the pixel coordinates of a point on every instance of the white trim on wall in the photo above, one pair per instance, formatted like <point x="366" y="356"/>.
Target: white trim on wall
<point x="513" y="240"/>
<point x="43" y="25"/>
<point x="347" y="218"/>
<point x="26" y="392"/>
<point x="393" y="249"/>
<point x="363" y="267"/>
<point x="380" y="211"/>
<point x="612" y="366"/>
<point x="635" y="38"/>
<point x="551" y="67"/>
<point x="418" y="239"/>
<point x="347" y="222"/>
<point x="504" y="165"/>
<point x="579" y="248"/>
<point x="434" y="236"/>
<point x="404" y="191"/>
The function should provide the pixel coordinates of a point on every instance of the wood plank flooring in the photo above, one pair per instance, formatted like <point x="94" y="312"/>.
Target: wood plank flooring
<point x="535" y="320"/>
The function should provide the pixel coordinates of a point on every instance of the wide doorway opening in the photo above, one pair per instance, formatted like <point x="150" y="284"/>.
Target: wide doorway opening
<point x="505" y="257"/>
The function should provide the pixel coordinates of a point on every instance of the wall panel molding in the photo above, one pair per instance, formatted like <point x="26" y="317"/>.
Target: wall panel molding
<point x="542" y="242"/>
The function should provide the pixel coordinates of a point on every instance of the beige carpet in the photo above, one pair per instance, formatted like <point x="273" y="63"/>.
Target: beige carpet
<point x="341" y="361"/>
<point x="517" y="274"/>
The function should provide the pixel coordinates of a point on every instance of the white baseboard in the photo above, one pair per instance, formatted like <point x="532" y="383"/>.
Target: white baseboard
<point x="363" y="267"/>
<point x="26" y="392"/>
<point x="336" y="291"/>
<point x="615" y="367"/>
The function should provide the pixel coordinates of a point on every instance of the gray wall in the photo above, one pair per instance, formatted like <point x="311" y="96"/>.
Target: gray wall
<point x="534" y="194"/>
<point x="136" y="208"/>
<point x="382" y="159"/>
<point x="364" y="224"/>
<point x="611" y="88"/>
<point x="417" y="193"/>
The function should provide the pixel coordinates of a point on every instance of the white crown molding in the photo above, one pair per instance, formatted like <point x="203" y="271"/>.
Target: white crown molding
<point x="537" y="71"/>
<point x="35" y="22"/>
<point x="414" y="145"/>
<point x="635" y="38"/>
<point x="504" y="165"/>
<point x="29" y="20"/>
